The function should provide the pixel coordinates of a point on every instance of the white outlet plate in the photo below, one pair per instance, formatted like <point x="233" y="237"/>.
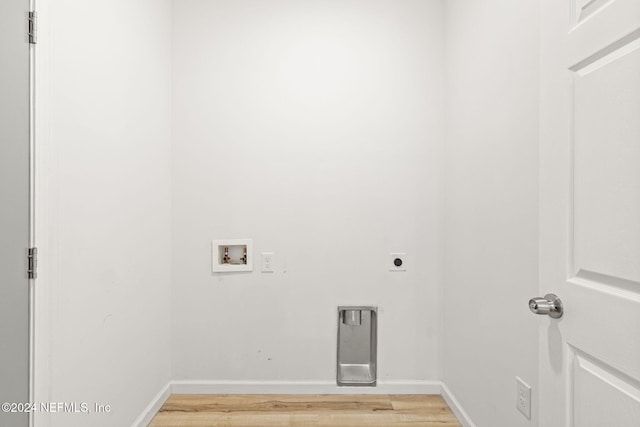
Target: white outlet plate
<point x="392" y="258"/>
<point x="523" y="398"/>
<point x="266" y="262"/>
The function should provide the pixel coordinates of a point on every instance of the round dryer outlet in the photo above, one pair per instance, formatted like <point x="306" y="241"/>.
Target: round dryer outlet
<point x="397" y="261"/>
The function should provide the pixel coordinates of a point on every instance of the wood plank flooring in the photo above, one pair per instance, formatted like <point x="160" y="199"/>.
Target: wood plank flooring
<point x="267" y="410"/>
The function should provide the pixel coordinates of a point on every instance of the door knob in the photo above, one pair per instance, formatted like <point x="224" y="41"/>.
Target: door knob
<point x="550" y="305"/>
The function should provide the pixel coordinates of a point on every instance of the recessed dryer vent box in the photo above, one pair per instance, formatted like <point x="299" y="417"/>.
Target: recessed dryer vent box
<point x="357" y="346"/>
<point x="232" y="255"/>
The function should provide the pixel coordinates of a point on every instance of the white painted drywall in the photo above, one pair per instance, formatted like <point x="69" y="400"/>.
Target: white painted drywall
<point x="316" y="129"/>
<point x="107" y="208"/>
<point x="491" y="206"/>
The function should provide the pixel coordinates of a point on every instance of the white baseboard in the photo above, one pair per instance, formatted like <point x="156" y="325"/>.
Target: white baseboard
<point x="455" y="406"/>
<point x="153" y="407"/>
<point x="302" y="387"/>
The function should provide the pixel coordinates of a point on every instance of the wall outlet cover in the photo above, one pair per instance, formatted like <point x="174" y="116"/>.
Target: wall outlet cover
<point x="266" y="262"/>
<point x="523" y="398"/>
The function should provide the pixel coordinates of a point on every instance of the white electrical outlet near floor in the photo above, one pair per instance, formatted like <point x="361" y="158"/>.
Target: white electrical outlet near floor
<point x="523" y="402"/>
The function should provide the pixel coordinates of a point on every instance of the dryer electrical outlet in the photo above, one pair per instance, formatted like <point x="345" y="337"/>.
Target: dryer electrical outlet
<point x="397" y="261"/>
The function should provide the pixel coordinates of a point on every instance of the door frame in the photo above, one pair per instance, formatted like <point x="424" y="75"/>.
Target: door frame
<point x="32" y="217"/>
<point x="43" y="215"/>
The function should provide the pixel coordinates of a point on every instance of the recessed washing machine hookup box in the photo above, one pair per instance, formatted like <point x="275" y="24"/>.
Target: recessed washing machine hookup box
<point x="230" y="255"/>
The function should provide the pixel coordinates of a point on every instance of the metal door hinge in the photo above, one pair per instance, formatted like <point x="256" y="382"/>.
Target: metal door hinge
<point x="32" y="263"/>
<point x="33" y="27"/>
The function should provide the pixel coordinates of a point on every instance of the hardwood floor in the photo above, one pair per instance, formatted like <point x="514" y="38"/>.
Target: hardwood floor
<point x="267" y="410"/>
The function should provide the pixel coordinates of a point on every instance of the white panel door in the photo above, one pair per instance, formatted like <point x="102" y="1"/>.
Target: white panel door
<point x="590" y="212"/>
<point x="14" y="210"/>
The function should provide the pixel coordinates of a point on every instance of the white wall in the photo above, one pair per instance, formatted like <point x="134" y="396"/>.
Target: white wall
<point x="316" y="129"/>
<point x="107" y="207"/>
<point x="491" y="206"/>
